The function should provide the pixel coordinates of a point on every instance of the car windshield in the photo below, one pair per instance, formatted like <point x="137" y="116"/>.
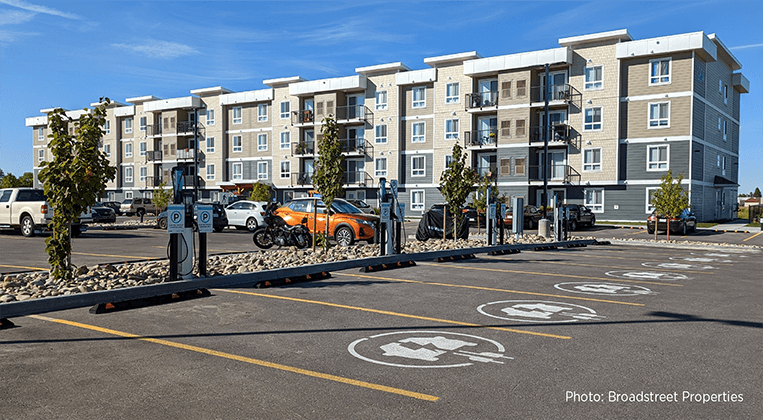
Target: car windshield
<point x="341" y="206"/>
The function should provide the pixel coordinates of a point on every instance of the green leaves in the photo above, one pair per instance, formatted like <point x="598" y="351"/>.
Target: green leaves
<point x="328" y="174"/>
<point x="162" y="196"/>
<point x="456" y="183"/>
<point x="260" y="192"/>
<point x="671" y="199"/>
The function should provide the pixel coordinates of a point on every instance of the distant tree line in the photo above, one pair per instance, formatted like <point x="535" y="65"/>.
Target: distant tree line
<point x="10" y="181"/>
<point x="755" y="194"/>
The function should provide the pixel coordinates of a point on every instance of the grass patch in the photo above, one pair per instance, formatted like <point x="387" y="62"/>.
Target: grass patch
<point x="707" y="224"/>
<point x="756" y="224"/>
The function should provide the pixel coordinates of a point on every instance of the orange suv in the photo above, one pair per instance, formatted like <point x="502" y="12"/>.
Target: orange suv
<point x="347" y="223"/>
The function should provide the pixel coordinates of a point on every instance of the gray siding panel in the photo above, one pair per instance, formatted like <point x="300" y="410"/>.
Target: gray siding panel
<point x="698" y="129"/>
<point x="637" y="160"/>
<point x="700" y="68"/>
<point x="407" y="166"/>
<point x="698" y="161"/>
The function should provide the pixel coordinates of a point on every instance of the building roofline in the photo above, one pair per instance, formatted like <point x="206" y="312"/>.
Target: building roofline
<point x="379" y="68"/>
<point x="281" y="81"/>
<point x="735" y="64"/>
<point x="216" y="90"/>
<point x="140" y="99"/>
<point x="618" y="35"/>
<point x="451" y="58"/>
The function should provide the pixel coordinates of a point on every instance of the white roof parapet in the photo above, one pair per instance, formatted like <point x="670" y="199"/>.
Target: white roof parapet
<point x="416" y="76"/>
<point x="217" y="90"/>
<point x="260" y="95"/>
<point x="124" y="111"/>
<point x="618" y="35"/>
<point x="36" y="121"/>
<point x="740" y="83"/>
<point x="281" y="81"/>
<point x="327" y="85"/>
<point x="734" y="63"/>
<point x="518" y="61"/>
<point x="694" y="41"/>
<point x="381" y="68"/>
<point x="112" y="104"/>
<point x="451" y="58"/>
<point x="173" y="103"/>
<point x="140" y="99"/>
<point x="46" y="110"/>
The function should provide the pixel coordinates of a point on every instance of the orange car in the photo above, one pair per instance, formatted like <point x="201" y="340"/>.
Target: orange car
<point x="347" y="223"/>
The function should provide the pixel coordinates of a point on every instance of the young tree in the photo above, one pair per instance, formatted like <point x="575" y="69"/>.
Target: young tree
<point x="9" y="181"/>
<point x="479" y="202"/>
<point x="670" y="200"/>
<point x="756" y="194"/>
<point x="260" y="192"/>
<point x="26" y="180"/>
<point x="328" y="174"/>
<point x="74" y="179"/>
<point x="162" y="196"/>
<point x="456" y="183"/>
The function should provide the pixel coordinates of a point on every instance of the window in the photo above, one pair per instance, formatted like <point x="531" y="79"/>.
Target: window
<point x="143" y="173"/>
<point x="41" y="133"/>
<point x="592" y="119"/>
<point x="107" y="150"/>
<point x="451" y="93"/>
<point x="262" y="113"/>
<point x="381" y="100"/>
<point x="128" y="125"/>
<point x="380" y="167"/>
<point x="720" y="124"/>
<point x="285" y="107"/>
<point x="451" y="129"/>
<point x="381" y="134"/>
<point x="143" y="148"/>
<point x="521" y="88"/>
<point x="419" y="97"/>
<point x="128" y="194"/>
<point x="128" y="173"/>
<point x="418" y="129"/>
<point x="210" y="117"/>
<point x="506" y="128"/>
<point x="262" y="142"/>
<point x="142" y="123"/>
<point x="40" y="155"/>
<point x="448" y="161"/>
<point x="106" y="127"/>
<point x="238" y="170"/>
<point x="237" y="147"/>
<point x="210" y="144"/>
<point x="417" y="200"/>
<point x="519" y="166"/>
<point x="262" y="170"/>
<point x="649" y="194"/>
<point x="723" y="165"/>
<point x="520" y="128"/>
<point x="659" y="73"/>
<point x="285" y="140"/>
<point x="506" y="90"/>
<point x="725" y="93"/>
<point x="418" y="165"/>
<point x="657" y="158"/>
<point x="594" y="199"/>
<point x="211" y="171"/>
<point x="128" y="150"/>
<point x="659" y="115"/>
<point x="593" y="78"/>
<point x="285" y="169"/>
<point x="237" y="115"/>
<point x="592" y="160"/>
<point x="718" y="160"/>
<point x="725" y="131"/>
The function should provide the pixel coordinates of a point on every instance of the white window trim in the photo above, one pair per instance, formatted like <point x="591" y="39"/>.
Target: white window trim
<point x="141" y="170"/>
<point x="128" y="154"/>
<point x="240" y="118"/>
<point x="592" y="130"/>
<point x="240" y="148"/>
<point x="284" y="116"/>
<point x="377" y="172"/>
<point x="445" y="161"/>
<point x="423" y="134"/>
<point x="128" y="194"/>
<point x="143" y="123"/>
<point x="422" y="103"/>
<point x="107" y="127"/>
<point x="669" y="75"/>
<point x="381" y="106"/>
<point x="40" y="155"/>
<point x="210" y="174"/>
<point x="649" y="116"/>
<point x="261" y="174"/>
<point x="288" y="138"/>
<point x="667" y="163"/>
<point x="376" y="138"/>
<point x="131" y="171"/>
<point x="453" y="99"/>
<point x="648" y="208"/>
<point x="260" y="147"/>
<point x="262" y="117"/>
<point x="107" y="149"/>
<point x="142" y="148"/>
<point x="725" y="130"/>
<point x="419" y="206"/>
<point x="593" y="164"/>
<point x="287" y="174"/>
<point x="593" y="206"/>
<point x="454" y="135"/>
<point x="208" y="148"/>
<point x="423" y="166"/>
<point x="210" y="121"/>
<point x="725" y="93"/>
<point x="40" y="134"/>
<point x="128" y="127"/>
<point x="241" y="170"/>
<point x="585" y="84"/>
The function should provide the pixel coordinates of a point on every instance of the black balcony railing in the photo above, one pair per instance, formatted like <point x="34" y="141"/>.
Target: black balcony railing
<point x="303" y="116"/>
<point x="557" y="92"/>
<point x="303" y="148"/>
<point x="188" y="127"/>
<point x="555" y="173"/>
<point x="354" y="113"/>
<point x="481" y="138"/>
<point x="152" y="181"/>
<point x="153" y="155"/>
<point x="357" y="178"/>
<point x="559" y="133"/>
<point x="481" y="99"/>
<point x="487" y="171"/>
<point x="302" y="178"/>
<point x="154" y="129"/>
<point x="357" y="146"/>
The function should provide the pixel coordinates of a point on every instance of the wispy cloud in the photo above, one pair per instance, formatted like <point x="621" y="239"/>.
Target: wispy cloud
<point x="39" y="9"/>
<point x="15" y="17"/>
<point x="10" y="36"/>
<point x="159" y="49"/>
<point x="744" y="47"/>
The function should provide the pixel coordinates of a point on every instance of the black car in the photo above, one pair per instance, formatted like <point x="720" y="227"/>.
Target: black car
<point x="219" y="219"/>
<point x="531" y="215"/>
<point x="685" y="222"/>
<point x="580" y="215"/>
<point x="114" y="205"/>
<point x="103" y="214"/>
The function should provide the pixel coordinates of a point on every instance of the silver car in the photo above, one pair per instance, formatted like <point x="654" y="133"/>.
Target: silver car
<point x="246" y="214"/>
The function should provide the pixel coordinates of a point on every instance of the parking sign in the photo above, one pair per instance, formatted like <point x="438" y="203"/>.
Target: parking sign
<point x="204" y="218"/>
<point x="175" y="218"/>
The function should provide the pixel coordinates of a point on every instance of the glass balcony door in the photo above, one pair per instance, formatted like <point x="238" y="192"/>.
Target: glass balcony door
<point x="355" y="107"/>
<point x="556" y="164"/>
<point x="558" y="82"/>
<point x="488" y="90"/>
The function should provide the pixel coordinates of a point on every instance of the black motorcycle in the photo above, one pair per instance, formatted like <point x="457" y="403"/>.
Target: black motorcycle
<point x="276" y="232"/>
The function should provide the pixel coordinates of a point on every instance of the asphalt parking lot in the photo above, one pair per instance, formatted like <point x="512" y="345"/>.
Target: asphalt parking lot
<point x="616" y="331"/>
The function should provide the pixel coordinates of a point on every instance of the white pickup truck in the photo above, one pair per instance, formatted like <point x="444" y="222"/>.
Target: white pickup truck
<point x="27" y="209"/>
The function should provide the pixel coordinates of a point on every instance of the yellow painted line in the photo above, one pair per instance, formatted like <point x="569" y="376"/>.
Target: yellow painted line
<point x="377" y="311"/>
<point x="747" y="239"/>
<point x="608" y="279"/>
<point x="110" y="255"/>
<point x="24" y="267"/>
<point x="244" y="359"/>
<point x="489" y="289"/>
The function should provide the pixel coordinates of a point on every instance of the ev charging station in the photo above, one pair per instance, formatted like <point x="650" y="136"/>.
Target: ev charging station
<point x="518" y="216"/>
<point x="180" y="224"/>
<point x="392" y="216"/>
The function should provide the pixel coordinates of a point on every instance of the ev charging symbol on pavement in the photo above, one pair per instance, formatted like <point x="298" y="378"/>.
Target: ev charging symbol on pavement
<point x="538" y="311"/>
<point x="647" y="275"/>
<point x="606" y="289"/>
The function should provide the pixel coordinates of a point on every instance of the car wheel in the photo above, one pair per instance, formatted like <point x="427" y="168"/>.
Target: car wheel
<point x="219" y="229"/>
<point x="344" y="236"/>
<point x="162" y="223"/>
<point x="683" y="229"/>
<point x="650" y="230"/>
<point x="251" y="224"/>
<point x="573" y="224"/>
<point x="76" y="231"/>
<point x="27" y="226"/>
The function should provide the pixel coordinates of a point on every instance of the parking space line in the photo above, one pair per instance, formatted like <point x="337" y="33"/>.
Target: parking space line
<point x="631" y="258"/>
<point x="24" y="267"/>
<point x="612" y="280"/>
<point x="244" y="359"/>
<point x="487" y="288"/>
<point x="378" y="311"/>
<point x="747" y="239"/>
<point x="606" y="266"/>
<point x="109" y="255"/>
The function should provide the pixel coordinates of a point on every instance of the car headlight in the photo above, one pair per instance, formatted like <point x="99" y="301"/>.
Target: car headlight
<point x="365" y="222"/>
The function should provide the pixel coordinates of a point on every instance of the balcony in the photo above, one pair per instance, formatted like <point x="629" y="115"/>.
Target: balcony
<point x="556" y="173"/>
<point x="563" y="92"/>
<point x="302" y="178"/>
<point x="354" y="113"/>
<point x="184" y="154"/>
<point x="303" y="148"/>
<point x="481" y="100"/>
<point x="303" y="116"/>
<point x="154" y="130"/>
<point x="187" y="127"/>
<point x="154" y="156"/>
<point x="560" y="133"/>
<point x="481" y="138"/>
<point x="356" y="146"/>
<point x="152" y="181"/>
<point x="487" y="171"/>
<point x="357" y="178"/>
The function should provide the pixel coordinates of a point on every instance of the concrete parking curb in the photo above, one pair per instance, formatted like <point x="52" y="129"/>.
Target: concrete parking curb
<point x="59" y="303"/>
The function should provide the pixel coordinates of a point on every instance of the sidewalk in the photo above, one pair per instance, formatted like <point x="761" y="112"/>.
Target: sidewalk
<point x="737" y="226"/>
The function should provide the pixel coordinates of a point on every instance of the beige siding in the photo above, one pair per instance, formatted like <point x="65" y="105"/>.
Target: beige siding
<point x="637" y="123"/>
<point x="635" y="75"/>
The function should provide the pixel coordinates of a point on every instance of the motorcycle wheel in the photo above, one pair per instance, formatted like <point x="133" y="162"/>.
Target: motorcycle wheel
<point x="262" y="238"/>
<point x="304" y="240"/>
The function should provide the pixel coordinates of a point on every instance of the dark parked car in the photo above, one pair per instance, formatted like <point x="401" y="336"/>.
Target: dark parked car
<point x="114" y="205"/>
<point x="103" y="214"/>
<point x="219" y="219"/>
<point x="531" y="215"/>
<point x="683" y="224"/>
<point x="362" y="205"/>
<point x="580" y="215"/>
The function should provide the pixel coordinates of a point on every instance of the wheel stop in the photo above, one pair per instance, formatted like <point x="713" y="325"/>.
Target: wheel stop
<point x="392" y="266"/>
<point x="321" y="275"/>
<point x="109" y="307"/>
<point x="455" y="258"/>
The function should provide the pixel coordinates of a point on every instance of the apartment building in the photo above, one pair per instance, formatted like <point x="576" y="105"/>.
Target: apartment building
<point x="614" y="114"/>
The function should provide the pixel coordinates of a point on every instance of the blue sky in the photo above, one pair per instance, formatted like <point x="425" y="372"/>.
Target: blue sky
<point x="70" y="53"/>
